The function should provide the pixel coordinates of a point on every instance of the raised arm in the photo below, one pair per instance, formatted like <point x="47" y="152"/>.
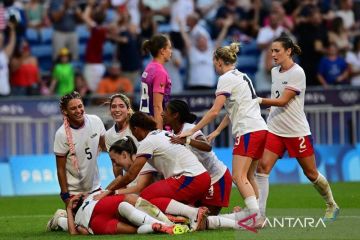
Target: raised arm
<point x="224" y="30"/>
<point x="9" y="49"/>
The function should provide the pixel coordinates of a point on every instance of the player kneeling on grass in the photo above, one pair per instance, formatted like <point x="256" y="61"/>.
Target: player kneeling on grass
<point x="113" y="215"/>
<point x="123" y="154"/>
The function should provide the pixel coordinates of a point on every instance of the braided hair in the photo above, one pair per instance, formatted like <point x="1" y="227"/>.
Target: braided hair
<point x="64" y="101"/>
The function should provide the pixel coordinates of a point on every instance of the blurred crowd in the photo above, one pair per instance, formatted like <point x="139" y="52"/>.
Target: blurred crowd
<point x="328" y="32"/>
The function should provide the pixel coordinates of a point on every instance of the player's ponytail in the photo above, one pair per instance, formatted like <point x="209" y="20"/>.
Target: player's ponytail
<point x="155" y="44"/>
<point x="126" y="144"/>
<point x="288" y="43"/>
<point x="227" y="53"/>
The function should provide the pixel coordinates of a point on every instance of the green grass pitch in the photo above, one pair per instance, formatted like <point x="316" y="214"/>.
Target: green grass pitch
<point x="26" y="217"/>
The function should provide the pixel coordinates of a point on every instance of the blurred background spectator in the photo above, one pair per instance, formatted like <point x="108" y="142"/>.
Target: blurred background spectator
<point x="84" y="26"/>
<point x="63" y="76"/>
<point x="353" y="59"/>
<point x="64" y="15"/>
<point x="24" y="72"/>
<point x="332" y="70"/>
<point x="115" y="82"/>
<point x="6" y="51"/>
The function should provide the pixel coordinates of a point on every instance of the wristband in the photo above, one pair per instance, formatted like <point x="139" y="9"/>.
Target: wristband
<point x="64" y="196"/>
<point x="188" y="140"/>
<point x="259" y="100"/>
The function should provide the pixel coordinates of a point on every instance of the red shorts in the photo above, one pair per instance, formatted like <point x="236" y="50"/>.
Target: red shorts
<point x="181" y="188"/>
<point x="250" y="144"/>
<point x="297" y="147"/>
<point x="219" y="193"/>
<point x="105" y="216"/>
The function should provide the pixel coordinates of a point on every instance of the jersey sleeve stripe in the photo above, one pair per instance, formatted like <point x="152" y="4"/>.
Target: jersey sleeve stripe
<point x="226" y="94"/>
<point x="294" y="89"/>
<point x="145" y="155"/>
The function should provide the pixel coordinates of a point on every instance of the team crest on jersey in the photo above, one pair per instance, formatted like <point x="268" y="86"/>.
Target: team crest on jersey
<point x="94" y="135"/>
<point x="144" y="75"/>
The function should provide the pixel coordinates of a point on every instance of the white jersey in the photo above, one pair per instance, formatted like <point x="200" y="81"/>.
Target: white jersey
<point x="241" y="103"/>
<point x="86" y="141"/>
<point x="289" y="121"/>
<point x="83" y="215"/>
<point x="4" y="74"/>
<point x="169" y="159"/>
<point x="112" y="135"/>
<point x="209" y="160"/>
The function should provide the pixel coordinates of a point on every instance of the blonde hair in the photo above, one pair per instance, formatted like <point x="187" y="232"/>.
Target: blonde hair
<point x="227" y="53"/>
<point x="123" y="98"/>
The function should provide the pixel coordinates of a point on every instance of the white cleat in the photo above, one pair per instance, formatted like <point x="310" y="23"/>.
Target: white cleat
<point x="52" y="224"/>
<point x="332" y="211"/>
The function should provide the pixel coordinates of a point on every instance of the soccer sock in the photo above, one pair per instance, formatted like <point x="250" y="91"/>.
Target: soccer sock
<point x="228" y="216"/>
<point x="62" y="222"/>
<point x="217" y="222"/>
<point x="152" y="210"/>
<point x="323" y="187"/>
<point x="134" y="215"/>
<point x="178" y="208"/>
<point x="146" y="228"/>
<point x="263" y="183"/>
<point x="251" y="203"/>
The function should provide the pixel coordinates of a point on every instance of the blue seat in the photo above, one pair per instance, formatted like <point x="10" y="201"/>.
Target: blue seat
<point x="41" y="51"/>
<point x="109" y="50"/>
<point x="250" y="48"/>
<point x="45" y="64"/>
<point x="247" y="61"/>
<point x="32" y="36"/>
<point x="83" y="33"/>
<point x="46" y="35"/>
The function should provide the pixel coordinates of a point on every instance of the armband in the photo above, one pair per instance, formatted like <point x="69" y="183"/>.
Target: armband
<point x="64" y="196"/>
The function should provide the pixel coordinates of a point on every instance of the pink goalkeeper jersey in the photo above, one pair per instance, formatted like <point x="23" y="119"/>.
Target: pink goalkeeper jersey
<point x="154" y="79"/>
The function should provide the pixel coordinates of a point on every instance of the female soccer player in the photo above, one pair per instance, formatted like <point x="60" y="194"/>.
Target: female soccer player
<point x="186" y="180"/>
<point x="155" y="81"/>
<point x="235" y="91"/>
<point x="288" y="126"/>
<point x="178" y="116"/>
<point x="106" y="216"/>
<point x="76" y="147"/>
<point x="120" y="110"/>
<point x="123" y="153"/>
